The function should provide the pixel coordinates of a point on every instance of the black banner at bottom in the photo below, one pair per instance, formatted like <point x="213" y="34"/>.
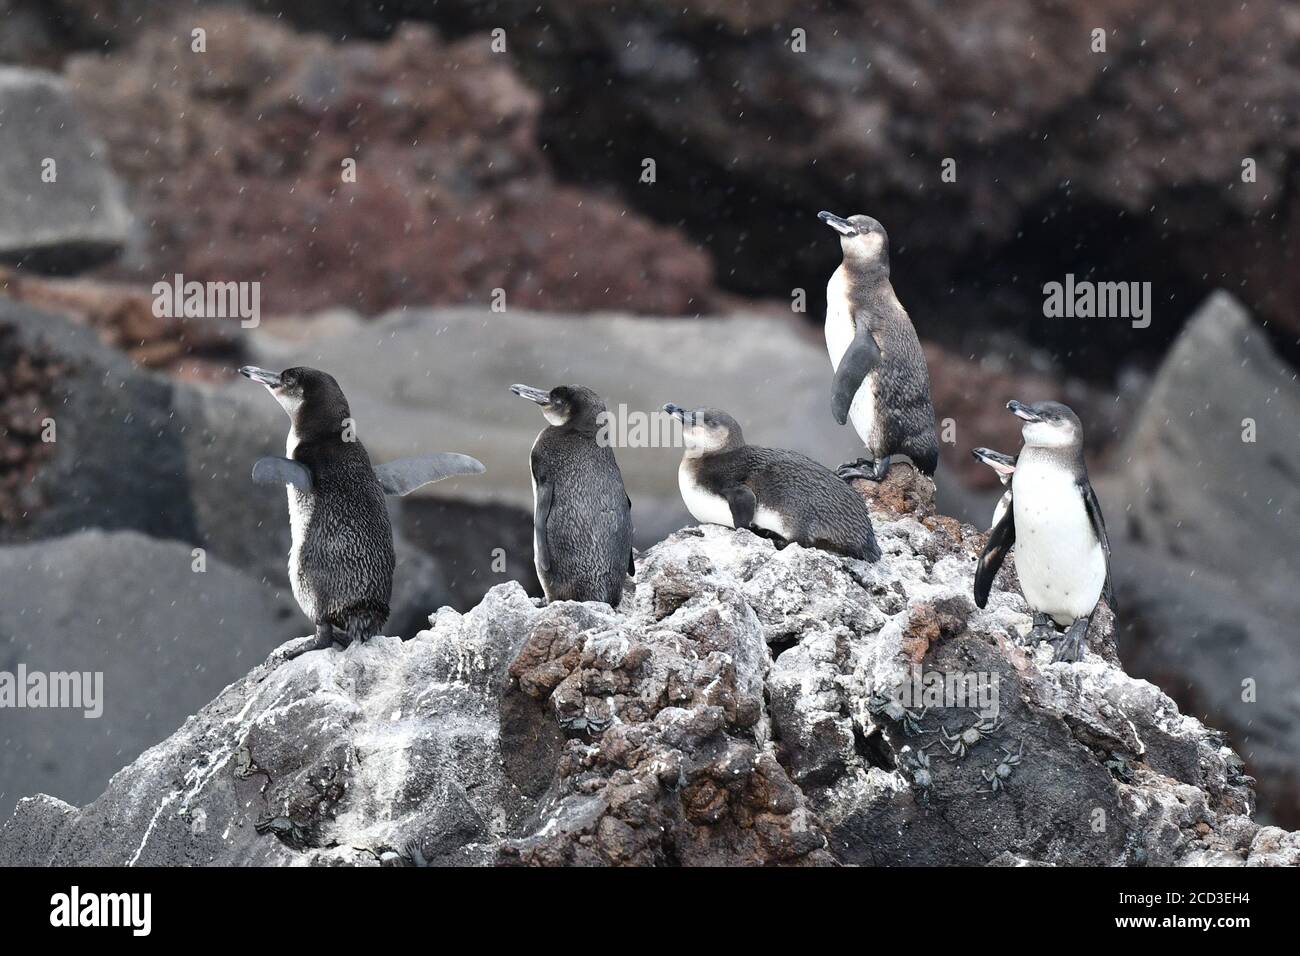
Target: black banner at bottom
<point x="178" y="905"/>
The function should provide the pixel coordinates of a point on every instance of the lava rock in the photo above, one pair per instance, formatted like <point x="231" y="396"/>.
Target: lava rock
<point x="728" y="712"/>
<point x="239" y="163"/>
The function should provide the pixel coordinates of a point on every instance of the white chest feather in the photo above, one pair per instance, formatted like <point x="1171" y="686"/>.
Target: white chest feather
<point x="839" y="332"/>
<point x="537" y="545"/>
<point x="301" y="505"/>
<point x="1058" y="558"/>
<point x="839" y="318"/>
<point x="704" y="506"/>
<point x="707" y="507"/>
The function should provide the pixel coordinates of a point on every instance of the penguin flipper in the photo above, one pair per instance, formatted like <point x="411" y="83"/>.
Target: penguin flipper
<point x="631" y="553"/>
<point x="404" y="475"/>
<point x="282" y="471"/>
<point x="743" y="505"/>
<point x="859" y="359"/>
<point x="1001" y="538"/>
<point x="1099" y="529"/>
<point x="545" y="495"/>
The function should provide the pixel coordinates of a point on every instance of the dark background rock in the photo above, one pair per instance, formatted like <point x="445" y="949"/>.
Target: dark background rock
<point x="1123" y="165"/>
<point x="235" y="164"/>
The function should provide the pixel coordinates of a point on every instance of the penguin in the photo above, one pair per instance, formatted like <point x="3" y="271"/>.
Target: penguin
<point x="1055" y="522"/>
<point x="773" y="492"/>
<point x="582" y="516"/>
<point x="341" y="560"/>
<point x="1004" y="466"/>
<point x="881" y="383"/>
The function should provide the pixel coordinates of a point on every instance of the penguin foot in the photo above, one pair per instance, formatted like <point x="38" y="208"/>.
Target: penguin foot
<point x="867" y="469"/>
<point x="1044" y="629"/>
<point x="324" y="638"/>
<point x="1069" y="646"/>
<point x="772" y="536"/>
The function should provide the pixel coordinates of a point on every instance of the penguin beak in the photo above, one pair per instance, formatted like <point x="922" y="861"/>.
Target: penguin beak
<point x="679" y="413"/>
<point x="532" y="394"/>
<point x="1003" y="464"/>
<point x="1021" y="410"/>
<point x="842" y="226"/>
<point x="261" y="376"/>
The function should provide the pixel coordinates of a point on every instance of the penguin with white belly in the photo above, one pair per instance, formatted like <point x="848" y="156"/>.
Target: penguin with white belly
<point x="773" y="492"/>
<point x="341" y="561"/>
<point x="1054" y="521"/>
<point x="881" y="383"/>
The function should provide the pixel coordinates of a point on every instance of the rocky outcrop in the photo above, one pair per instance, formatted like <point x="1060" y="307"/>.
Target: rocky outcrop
<point x="737" y="708"/>
<point x="242" y="166"/>
<point x="61" y="209"/>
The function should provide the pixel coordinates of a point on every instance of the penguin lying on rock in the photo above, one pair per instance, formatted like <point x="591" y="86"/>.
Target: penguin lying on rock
<point x="881" y="382"/>
<point x="341" y="561"/>
<point x="777" y="493"/>
<point x="582" y="516"/>
<point x="1054" y="520"/>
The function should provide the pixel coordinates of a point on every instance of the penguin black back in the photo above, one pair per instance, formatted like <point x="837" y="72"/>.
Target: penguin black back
<point x="874" y="347"/>
<point x="582" y="514"/>
<point x="341" y="560"/>
<point x="776" y="490"/>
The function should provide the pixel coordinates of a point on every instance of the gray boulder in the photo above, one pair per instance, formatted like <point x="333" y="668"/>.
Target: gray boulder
<point x="1212" y="466"/>
<point x="733" y="710"/>
<point x="165" y="637"/>
<point x="1206" y="558"/>
<point x="79" y="218"/>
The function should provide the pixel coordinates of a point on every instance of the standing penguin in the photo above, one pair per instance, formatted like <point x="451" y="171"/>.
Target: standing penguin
<point x="341" y="561"/>
<point x="881" y="382"/>
<point x="777" y="493"/>
<point x="1055" y="523"/>
<point x="582" y="516"/>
